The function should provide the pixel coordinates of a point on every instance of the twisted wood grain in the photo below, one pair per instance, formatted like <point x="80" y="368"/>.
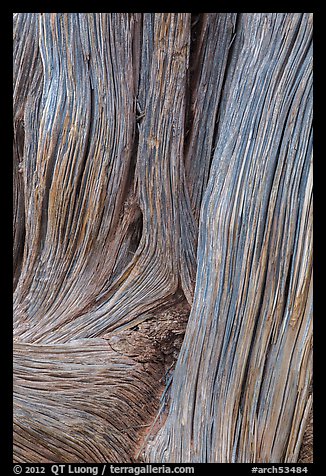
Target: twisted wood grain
<point x="240" y="388"/>
<point x="162" y="170"/>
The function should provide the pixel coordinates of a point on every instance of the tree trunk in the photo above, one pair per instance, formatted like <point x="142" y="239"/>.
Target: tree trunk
<point x="162" y="237"/>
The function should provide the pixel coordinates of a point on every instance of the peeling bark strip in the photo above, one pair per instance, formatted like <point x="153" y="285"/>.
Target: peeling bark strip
<point x="162" y="237"/>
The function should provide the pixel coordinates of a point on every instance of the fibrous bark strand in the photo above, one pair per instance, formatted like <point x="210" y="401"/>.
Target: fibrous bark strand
<point x="162" y="237"/>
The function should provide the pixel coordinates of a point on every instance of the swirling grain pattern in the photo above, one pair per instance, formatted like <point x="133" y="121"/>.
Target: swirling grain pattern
<point x="162" y="236"/>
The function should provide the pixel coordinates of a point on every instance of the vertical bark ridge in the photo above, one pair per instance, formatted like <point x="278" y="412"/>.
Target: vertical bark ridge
<point x="255" y="230"/>
<point x="81" y="166"/>
<point x="214" y="36"/>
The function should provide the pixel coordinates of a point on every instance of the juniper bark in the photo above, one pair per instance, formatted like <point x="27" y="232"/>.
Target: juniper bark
<point x="162" y="236"/>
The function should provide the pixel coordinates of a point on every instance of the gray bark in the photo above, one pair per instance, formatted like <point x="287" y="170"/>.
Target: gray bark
<point x="162" y="236"/>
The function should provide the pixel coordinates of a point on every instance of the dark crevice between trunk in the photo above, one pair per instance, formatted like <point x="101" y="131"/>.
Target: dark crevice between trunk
<point x="232" y="49"/>
<point x="137" y="65"/>
<point x="233" y="54"/>
<point x="196" y="25"/>
<point x="19" y="141"/>
<point x="136" y="233"/>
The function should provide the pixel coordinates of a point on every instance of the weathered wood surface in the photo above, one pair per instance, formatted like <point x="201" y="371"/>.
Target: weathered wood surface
<point x="162" y="188"/>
